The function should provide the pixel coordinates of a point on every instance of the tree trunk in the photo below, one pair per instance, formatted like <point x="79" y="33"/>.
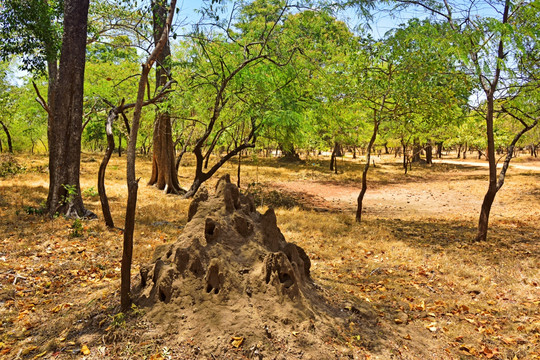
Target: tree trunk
<point x="132" y="182"/>
<point x="119" y="145"/>
<point x="113" y="114"/>
<point x="184" y="150"/>
<point x="417" y="149"/>
<point x="65" y="121"/>
<point x="163" y="161"/>
<point x="238" y="171"/>
<point x="429" y="153"/>
<point x="366" y="168"/>
<point x="439" y="150"/>
<point x="465" y="151"/>
<point x="405" y="156"/>
<point x="8" y="136"/>
<point x="164" y="175"/>
<point x="333" y="159"/>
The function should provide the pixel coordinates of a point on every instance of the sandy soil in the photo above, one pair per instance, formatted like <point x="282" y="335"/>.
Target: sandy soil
<point x="409" y="200"/>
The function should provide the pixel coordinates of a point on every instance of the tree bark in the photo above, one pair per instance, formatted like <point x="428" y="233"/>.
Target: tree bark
<point x="429" y="153"/>
<point x="366" y="168"/>
<point x="132" y="182"/>
<point x="119" y="145"/>
<point x="65" y="120"/>
<point x="417" y="149"/>
<point x="439" y="150"/>
<point x="113" y="114"/>
<point x="333" y="159"/>
<point x="239" y="169"/>
<point x="8" y="136"/>
<point x="164" y="173"/>
<point x="483" y="220"/>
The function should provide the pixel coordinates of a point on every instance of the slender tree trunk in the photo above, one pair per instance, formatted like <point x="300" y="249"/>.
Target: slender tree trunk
<point x="439" y="150"/>
<point x="119" y="145"/>
<point x="184" y="150"/>
<point x="238" y="170"/>
<point x="65" y="121"/>
<point x="366" y="168"/>
<point x="201" y="176"/>
<point x="132" y="182"/>
<point x="8" y="136"/>
<point x="113" y="114"/>
<point x="405" y="156"/>
<point x="333" y="159"/>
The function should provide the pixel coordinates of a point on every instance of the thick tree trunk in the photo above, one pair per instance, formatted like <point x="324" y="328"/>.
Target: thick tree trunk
<point x="65" y="121"/>
<point x="465" y="151"/>
<point x="8" y="136"/>
<point x="429" y="153"/>
<point x="164" y="174"/>
<point x="163" y="161"/>
<point x="417" y="149"/>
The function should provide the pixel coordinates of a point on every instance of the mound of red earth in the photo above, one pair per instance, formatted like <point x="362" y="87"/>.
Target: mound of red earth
<point x="235" y="287"/>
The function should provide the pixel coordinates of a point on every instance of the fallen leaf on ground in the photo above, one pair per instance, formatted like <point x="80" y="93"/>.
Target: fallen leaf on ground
<point x="85" y="350"/>
<point x="237" y="341"/>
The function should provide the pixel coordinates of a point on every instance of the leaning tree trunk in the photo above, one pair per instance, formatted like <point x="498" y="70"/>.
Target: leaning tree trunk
<point x="164" y="175"/>
<point x="8" y="136"/>
<point x="366" y="168"/>
<point x="65" y="120"/>
<point x="113" y="114"/>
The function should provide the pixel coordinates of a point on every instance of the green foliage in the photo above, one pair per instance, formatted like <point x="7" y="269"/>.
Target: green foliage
<point x="77" y="229"/>
<point x="118" y="320"/>
<point x="91" y="192"/>
<point x="71" y="192"/>
<point x="31" y="29"/>
<point x="30" y="210"/>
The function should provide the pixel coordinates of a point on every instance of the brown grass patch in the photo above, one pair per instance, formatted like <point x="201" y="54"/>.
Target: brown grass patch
<point x="422" y="288"/>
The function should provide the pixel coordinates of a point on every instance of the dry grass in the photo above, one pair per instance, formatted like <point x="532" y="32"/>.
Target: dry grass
<point x="423" y="289"/>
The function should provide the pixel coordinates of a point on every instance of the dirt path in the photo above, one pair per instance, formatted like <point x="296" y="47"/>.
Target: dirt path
<point x="530" y="167"/>
<point x="459" y="196"/>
